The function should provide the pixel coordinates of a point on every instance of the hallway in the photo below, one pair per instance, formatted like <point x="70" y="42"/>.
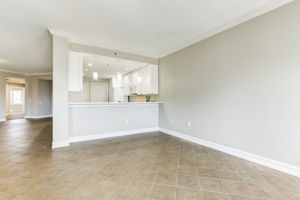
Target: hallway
<point x="147" y="166"/>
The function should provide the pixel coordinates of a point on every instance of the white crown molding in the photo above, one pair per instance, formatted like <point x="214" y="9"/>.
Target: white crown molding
<point x="26" y="74"/>
<point x="246" y="17"/>
<point x="59" y="33"/>
<point x="280" y="166"/>
<point x="40" y="74"/>
<point x="13" y="72"/>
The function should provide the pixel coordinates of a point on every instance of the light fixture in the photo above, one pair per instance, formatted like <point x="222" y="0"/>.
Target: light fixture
<point x="90" y="64"/>
<point x="95" y="76"/>
<point x="119" y="76"/>
<point x="127" y="68"/>
<point x="139" y="79"/>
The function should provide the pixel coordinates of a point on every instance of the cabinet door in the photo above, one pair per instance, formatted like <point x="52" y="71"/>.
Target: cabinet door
<point x="141" y="79"/>
<point x="126" y="87"/>
<point x="154" y="79"/>
<point x="150" y="79"/>
<point x="75" y="71"/>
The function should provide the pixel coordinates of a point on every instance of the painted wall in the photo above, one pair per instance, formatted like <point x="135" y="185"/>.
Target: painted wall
<point x="39" y="96"/>
<point x="87" y="120"/>
<point x="44" y="97"/>
<point x="240" y="88"/>
<point x="60" y="131"/>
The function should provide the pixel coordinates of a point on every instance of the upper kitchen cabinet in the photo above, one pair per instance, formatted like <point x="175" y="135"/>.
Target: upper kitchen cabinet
<point x="147" y="80"/>
<point x="143" y="81"/>
<point x="75" y="71"/>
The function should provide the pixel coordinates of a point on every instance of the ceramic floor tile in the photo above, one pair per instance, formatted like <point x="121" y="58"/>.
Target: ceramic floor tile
<point x="151" y="166"/>
<point x="191" y="182"/>
<point x="166" y="178"/>
<point x="188" y="194"/>
<point x="161" y="192"/>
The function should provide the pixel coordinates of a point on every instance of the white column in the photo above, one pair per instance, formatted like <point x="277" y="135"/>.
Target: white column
<point x="60" y="89"/>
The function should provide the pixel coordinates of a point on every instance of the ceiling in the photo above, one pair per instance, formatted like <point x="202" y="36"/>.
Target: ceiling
<point x="151" y="28"/>
<point x="108" y="67"/>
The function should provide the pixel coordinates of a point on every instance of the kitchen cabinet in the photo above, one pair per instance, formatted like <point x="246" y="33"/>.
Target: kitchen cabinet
<point x="75" y="71"/>
<point x="142" y="81"/>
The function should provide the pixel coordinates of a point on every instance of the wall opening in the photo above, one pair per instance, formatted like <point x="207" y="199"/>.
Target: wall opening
<point x="15" y="98"/>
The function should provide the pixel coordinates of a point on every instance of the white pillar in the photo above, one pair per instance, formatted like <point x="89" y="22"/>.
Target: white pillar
<point x="60" y="89"/>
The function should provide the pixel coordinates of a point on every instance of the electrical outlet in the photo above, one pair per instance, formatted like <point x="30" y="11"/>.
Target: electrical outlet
<point x="172" y="121"/>
<point x="127" y="121"/>
<point x="189" y="124"/>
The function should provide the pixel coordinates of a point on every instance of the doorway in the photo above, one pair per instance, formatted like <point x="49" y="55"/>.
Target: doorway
<point x="99" y="92"/>
<point x="15" y="98"/>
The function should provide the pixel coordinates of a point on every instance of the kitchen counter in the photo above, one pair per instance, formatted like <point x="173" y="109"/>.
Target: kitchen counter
<point x="97" y="120"/>
<point x="75" y="104"/>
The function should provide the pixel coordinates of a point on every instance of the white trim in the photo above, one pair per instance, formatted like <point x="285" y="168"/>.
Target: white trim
<point x="25" y="74"/>
<point x="280" y="166"/>
<point x="59" y="144"/>
<point x="111" y="134"/>
<point x="37" y="117"/>
<point x="40" y="74"/>
<point x="2" y="120"/>
<point x="59" y="33"/>
<point x="248" y="16"/>
<point x="93" y="104"/>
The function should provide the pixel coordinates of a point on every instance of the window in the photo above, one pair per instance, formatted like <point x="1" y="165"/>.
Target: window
<point x="16" y="97"/>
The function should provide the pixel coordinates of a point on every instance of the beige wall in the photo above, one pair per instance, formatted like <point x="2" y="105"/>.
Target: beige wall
<point x="3" y="76"/>
<point x="240" y="88"/>
<point x="39" y="91"/>
<point x="44" y="97"/>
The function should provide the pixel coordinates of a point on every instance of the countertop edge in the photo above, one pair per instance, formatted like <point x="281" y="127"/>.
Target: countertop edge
<point x="76" y="104"/>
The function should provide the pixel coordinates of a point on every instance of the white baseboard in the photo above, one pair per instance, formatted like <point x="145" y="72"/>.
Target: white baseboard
<point x="111" y="134"/>
<point x="280" y="166"/>
<point x="37" y="117"/>
<point x="59" y="144"/>
<point x="2" y="120"/>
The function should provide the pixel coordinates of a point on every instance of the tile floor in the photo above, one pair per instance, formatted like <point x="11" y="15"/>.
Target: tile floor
<point x="151" y="166"/>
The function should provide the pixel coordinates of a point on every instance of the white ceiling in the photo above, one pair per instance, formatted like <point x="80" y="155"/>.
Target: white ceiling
<point x="108" y="67"/>
<point x="151" y="28"/>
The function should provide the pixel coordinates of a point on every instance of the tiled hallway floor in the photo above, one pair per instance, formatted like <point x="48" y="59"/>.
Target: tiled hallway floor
<point x="148" y="166"/>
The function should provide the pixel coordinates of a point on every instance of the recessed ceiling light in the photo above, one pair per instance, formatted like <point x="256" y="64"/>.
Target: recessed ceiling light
<point x="90" y="64"/>
<point x="127" y="68"/>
